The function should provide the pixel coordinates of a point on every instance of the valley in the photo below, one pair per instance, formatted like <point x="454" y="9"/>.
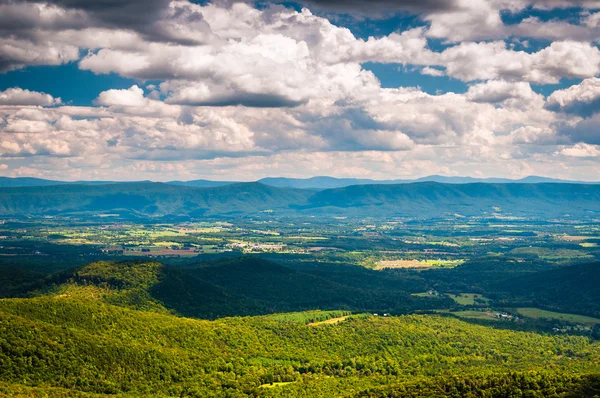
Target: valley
<point x="273" y="304"/>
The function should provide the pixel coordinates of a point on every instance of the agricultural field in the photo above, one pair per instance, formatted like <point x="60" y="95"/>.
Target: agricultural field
<point x="417" y="264"/>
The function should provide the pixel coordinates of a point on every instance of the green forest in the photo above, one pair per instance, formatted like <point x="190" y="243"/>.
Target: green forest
<point x="133" y="329"/>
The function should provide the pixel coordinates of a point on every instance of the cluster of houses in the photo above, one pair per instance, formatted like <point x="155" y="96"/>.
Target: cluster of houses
<point x="503" y="315"/>
<point x="261" y="247"/>
<point x="576" y="328"/>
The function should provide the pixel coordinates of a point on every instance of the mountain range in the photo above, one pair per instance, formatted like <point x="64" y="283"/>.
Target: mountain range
<point x="321" y="182"/>
<point x="415" y="200"/>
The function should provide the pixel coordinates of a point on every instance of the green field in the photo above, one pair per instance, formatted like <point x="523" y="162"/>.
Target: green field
<point x="309" y="317"/>
<point x="332" y="321"/>
<point x="571" y="318"/>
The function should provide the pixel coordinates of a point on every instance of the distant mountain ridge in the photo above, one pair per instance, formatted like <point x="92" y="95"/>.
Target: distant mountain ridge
<point x="332" y="182"/>
<point x="420" y="200"/>
<point x="319" y="182"/>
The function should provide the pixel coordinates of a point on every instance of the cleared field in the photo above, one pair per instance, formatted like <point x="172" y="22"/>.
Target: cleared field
<point x="387" y="264"/>
<point x="588" y="244"/>
<point x="572" y="318"/>
<point x="276" y="384"/>
<point x="467" y="298"/>
<point x="573" y="238"/>
<point x="308" y="316"/>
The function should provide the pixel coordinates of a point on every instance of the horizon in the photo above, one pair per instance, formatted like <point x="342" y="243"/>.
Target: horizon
<point x="407" y="179"/>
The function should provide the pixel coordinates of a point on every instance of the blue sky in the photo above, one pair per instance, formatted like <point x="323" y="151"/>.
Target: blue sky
<point x="392" y="89"/>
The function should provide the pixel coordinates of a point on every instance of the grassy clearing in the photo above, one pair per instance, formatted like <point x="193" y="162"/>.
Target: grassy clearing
<point x="275" y="385"/>
<point x="573" y="238"/>
<point x="571" y="318"/>
<point x="308" y="317"/>
<point x="332" y="321"/>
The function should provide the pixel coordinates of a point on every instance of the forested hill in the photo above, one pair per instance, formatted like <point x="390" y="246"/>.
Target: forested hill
<point x="573" y="289"/>
<point x="435" y="199"/>
<point x="423" y="200"/>
<point x="230" y="287"/>
<point x="148" y="199"/>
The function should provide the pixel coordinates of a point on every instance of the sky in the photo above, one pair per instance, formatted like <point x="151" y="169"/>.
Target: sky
<point x="231" y="90"/>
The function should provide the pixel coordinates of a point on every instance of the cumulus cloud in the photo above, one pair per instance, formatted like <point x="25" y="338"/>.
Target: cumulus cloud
<point x="581" y="151"/>
<point x="132" y="97"/>
<point x="239" y="82"/>
<point x="581" y="99"/>
<point x="16" y="53"/>
<point x="268" y="56"/>
<point x="139" y="15"/>
<point x="510" y="94"/>
<point x="476" y="20"/>
<point x="432" y="71"/>
<point x="18" y="96"/>
<point x="493" y="60"/>
<point x="132" y="125"/>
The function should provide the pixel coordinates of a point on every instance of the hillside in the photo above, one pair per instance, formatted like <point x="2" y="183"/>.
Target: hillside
<point x="146" y="199"/>
<point x="571" y="289"/>
<point x="434" y="199"/>
<point x="7" y="182"/>
<point x="233" y="287"/>
<point x="69" y="345"/>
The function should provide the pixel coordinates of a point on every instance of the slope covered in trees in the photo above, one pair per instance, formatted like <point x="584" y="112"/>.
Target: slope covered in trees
<point x="434" y="199"/>
<point x="80" y="344"/>
<point x="571" y="289"/>
<point x="237" y="286"/>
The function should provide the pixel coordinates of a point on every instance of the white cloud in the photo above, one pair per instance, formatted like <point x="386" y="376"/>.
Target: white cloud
<point x="18" y="96"/>
<point x="485" y="61"/>
<point x="477" y="20"/>
<point x="132" y="97"/>
<point x="16" y="53"/>
<point x="239" y="84"/>
<point x="582" y="99"/>
<point x="510" y="94"/>
<point x="432" y="71"/>
<point x="581" y="151"/>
